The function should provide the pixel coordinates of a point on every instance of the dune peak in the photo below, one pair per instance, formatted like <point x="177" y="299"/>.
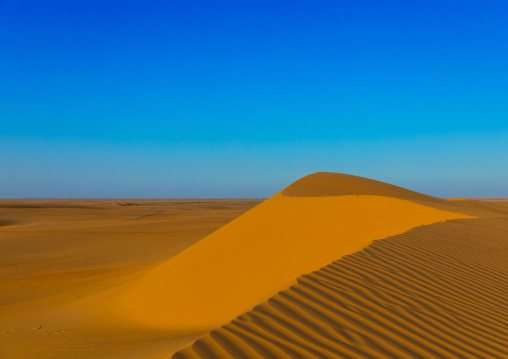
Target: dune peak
<point x="324" y="184"/>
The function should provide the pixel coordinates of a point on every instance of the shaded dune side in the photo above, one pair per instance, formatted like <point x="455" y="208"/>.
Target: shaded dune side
<point x="469" y="207"/>
<point x="475" y="208"/>
<point x="435" y="291"/>
<point x="8" y="222"/>
<point x="322" y="184"/>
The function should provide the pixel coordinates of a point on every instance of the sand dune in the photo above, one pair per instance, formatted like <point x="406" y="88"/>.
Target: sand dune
<point x="263" y="252"/>
<point x="436" y="291"/>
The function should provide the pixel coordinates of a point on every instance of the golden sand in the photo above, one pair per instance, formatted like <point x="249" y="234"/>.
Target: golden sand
<point x="159" y="296"/>
<point x="436" y="291"/>
<point x="261" y="253"/>
<point x="55" y="253"/>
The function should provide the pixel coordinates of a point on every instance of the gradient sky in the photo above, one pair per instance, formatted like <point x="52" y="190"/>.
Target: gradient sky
<point x="241" y="98"/>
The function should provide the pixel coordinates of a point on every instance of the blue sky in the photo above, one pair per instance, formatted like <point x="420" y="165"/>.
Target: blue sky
<point x="241" y="98"/>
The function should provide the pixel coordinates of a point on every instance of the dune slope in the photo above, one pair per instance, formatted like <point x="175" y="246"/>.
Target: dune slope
<point x="263" y="252"/>
<point x="436" y="291"/>
<point x="324" y="184"/>
<point x="54" y="253"/>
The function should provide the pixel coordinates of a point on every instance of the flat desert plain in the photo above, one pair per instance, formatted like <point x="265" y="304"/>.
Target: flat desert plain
<point x="54" y="253"/>
<point x="332" y="266"/>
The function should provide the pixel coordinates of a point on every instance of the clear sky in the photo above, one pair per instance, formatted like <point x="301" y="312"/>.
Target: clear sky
<point x="240" y="98"/>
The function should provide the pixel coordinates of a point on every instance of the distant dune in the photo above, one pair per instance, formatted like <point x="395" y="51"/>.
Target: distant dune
<point x="334" y="265"/>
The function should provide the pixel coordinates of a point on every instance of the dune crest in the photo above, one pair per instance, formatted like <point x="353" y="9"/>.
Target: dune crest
<point x="263" y="252"/>
<point x="322" y="184"/>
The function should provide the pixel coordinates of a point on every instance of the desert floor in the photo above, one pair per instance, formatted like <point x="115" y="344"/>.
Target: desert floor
<point x="53" y="252"/>
<point x="333" y="266"/>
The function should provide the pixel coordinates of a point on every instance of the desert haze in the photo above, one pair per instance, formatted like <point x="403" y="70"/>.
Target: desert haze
<point x="332" y="266"/>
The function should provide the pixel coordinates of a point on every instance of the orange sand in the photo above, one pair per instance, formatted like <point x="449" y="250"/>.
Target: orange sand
<point x="313" y="222"/>
<point x="54" y="253"/>
<point x="436" y="291"/>
<point x="261" y="253"/>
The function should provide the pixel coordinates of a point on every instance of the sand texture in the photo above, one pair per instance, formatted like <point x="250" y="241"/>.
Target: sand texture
<point x="55" y="253"/>
<point x="436" y="291"/>
<point x="326" y="184"/>
<point x="332" y="266"/>
<point x="257" y="255"/>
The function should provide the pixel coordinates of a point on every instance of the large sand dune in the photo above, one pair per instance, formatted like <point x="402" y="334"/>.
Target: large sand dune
<point x="263" y="252"/>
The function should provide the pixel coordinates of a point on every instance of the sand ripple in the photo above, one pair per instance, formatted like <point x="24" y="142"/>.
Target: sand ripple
<point x="436" y="291"/>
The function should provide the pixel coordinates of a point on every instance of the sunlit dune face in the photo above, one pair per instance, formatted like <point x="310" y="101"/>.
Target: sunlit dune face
<point x="432" y="292"/>
<point x="263" y="251"/>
